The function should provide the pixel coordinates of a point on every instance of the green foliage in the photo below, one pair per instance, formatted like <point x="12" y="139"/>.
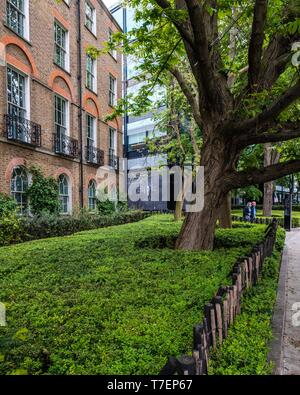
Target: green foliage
<point x="250" y="193"/>
<point x="7" y="204"/>
<point x="43" y="193"/>
<point x="15" y="229"/>
<point x="245" y="350"/>
<point x="106" y="207"/>
<point x="10" y="228"/>
<point x="94" y="303"/>
<point x="229" y="238"/>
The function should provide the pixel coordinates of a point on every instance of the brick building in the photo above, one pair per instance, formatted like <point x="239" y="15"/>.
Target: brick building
<point x="54" y="97"/>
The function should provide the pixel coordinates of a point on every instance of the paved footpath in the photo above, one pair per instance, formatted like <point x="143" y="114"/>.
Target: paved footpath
<point x="285" y="349"/>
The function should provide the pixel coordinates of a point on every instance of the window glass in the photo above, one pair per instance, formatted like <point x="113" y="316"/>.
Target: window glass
<point x="90" y="16"/>
<point x="90" y="72"/>
<point x="92" y="195"/>
<point x="15" y="11"/>
<point x="18" y="188"/>
<point x="63" y="187"/>
<point x="60" y="39"/>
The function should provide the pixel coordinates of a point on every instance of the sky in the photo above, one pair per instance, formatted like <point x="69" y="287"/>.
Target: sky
<point x="109" y="3"/>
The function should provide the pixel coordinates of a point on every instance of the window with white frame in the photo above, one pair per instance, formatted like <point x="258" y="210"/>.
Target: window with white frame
<point x="16" y="93"/>
<point x="112" y="159"/>
<point x="92" y="195"/>
<point x="112" y="138"/>
<point x="90" y="17"/>
<point x="113" y="52"/>
<point x="91" y="73"/>
<point x="61" y="124"/>
<point x="64" y="194"/>
<point x="90" y="130"/>
<point x="61" y="115"/>
<point x="112" y="91"/>
<point x="17" y="16"/>
<point x="18" y="188"/>
<point x="61" y="40"/>
<point x="18" y="108"/>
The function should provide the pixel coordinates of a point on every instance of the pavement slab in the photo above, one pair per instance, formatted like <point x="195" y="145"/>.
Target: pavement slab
<point x="285" y="349"/>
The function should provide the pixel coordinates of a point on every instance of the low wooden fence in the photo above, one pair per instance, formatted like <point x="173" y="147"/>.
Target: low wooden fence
<point x="220" y="313"/>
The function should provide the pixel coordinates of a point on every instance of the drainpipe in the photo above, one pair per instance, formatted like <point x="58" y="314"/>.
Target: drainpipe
<point x="125" y="76"/>
<point x="80" y="115"/>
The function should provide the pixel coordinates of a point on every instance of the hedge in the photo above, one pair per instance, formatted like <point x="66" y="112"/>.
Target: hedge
<point x="26" y="229"/>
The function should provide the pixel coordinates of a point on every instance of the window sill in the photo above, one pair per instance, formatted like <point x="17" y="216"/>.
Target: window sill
<point x="17" y="34"/>
<point x="91" y="90"/>
<point x="61" y="68"/>
<point x="88" y="29"/>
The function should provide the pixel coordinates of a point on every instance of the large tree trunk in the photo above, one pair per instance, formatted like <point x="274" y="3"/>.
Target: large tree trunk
<point x="225" y="220"/>
<point x="198" y="230"/>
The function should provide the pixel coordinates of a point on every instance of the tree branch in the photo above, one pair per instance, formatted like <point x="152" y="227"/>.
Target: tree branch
<point x="204" y="68"/>
<point x="256" y="42"/>
<point x="266" y="118"/>
<point x="262" y="175"/>
<point x="279" y="136"/>
<point x="181" y="27"/>
<point x="191" y="98"/>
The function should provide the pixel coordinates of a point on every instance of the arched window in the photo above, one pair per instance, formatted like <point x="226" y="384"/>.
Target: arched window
<point x="92" y="195"/>
<point x="18" y="188"/>
<point x="64" y="194"/>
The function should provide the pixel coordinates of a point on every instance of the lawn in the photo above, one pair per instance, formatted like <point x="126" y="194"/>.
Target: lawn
<point x="98" y="303"/>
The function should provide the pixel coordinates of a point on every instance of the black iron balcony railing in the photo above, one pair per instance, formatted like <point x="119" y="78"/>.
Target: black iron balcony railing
<point x="65" y="145"/>
<point x="94" y="156"/>
<point x="22" y="130"/>
<point x="113" y="160"/>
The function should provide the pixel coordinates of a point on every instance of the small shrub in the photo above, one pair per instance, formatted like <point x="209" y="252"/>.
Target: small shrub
<point x="106" y="207"/>
<point x="7" y="204"/>
<point x="10" y="228"/>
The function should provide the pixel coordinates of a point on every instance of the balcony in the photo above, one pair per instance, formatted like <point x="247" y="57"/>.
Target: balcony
<point x="113" y="160"/>
<point x="65" y="145"/>
<point x="22" y="130"/>
<point x="94" y="156"/>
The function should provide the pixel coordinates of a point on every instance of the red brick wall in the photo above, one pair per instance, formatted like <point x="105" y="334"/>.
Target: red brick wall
<point x="36" y="59"/>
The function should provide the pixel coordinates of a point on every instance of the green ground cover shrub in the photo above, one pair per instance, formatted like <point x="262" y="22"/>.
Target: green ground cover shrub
<point x="94" y="303"/>
<point x="245" y="350"/>
<point x="14" y="229"/>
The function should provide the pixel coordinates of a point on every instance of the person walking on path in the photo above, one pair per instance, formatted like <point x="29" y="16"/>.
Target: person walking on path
<point x="253" y="211"/>
<point x="247" y="212"/>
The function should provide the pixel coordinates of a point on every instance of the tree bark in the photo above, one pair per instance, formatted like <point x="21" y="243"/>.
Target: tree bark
<point x="198" y="230"/>
<point x="225" y="220"/>
<point x="268" y="199"/>
<point x="178" y="210"/>
<point x="271" y="157"/>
